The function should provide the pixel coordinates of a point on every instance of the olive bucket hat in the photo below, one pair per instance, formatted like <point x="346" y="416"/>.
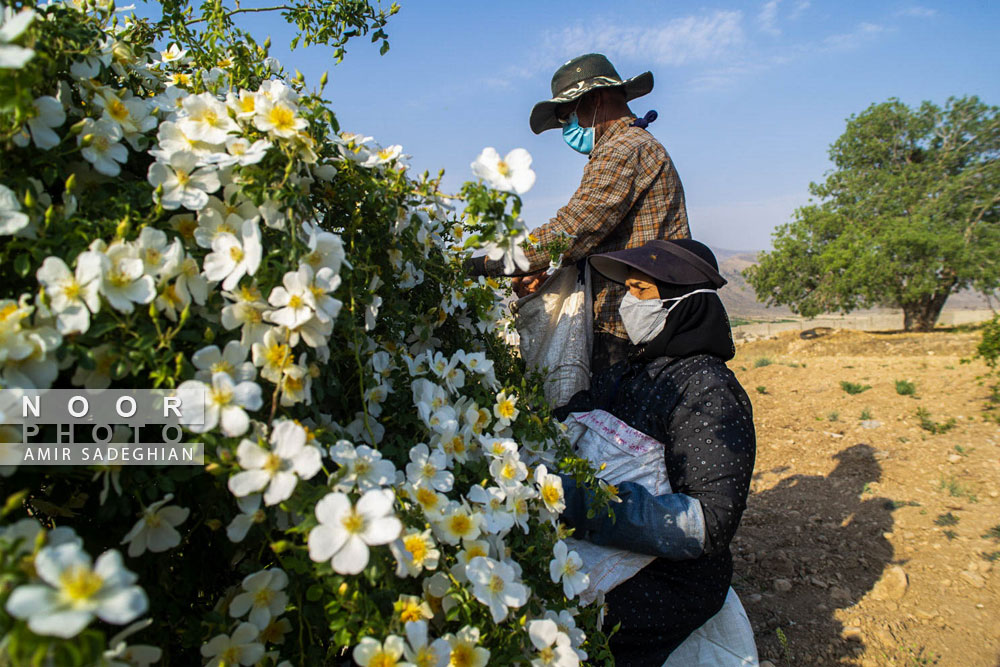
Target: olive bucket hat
<point x="582" y="75"/>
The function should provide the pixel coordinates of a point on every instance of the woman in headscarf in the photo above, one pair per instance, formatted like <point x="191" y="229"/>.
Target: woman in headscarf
<point x="674" y="387"/>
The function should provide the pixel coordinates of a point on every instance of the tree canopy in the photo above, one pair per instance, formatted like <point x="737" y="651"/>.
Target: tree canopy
<point x="908" y="215"/>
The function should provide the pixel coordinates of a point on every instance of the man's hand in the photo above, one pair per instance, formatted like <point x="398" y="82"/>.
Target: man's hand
<point x="529" y="284"/>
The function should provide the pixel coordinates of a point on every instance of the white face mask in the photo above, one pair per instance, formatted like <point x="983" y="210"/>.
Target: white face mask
<point x="645" y="318"/>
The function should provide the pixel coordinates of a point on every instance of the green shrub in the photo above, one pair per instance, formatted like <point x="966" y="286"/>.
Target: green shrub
<point x="760" y="362"/>
<point x="853" y="388"/>
<point x="932" y="426"/>
<point x="906" y="388"/>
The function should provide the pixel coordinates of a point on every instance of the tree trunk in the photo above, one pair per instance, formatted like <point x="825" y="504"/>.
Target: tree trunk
<point x="923" y="314"/>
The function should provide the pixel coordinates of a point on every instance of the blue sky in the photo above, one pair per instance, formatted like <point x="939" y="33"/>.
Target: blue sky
<point x="749" y="94"/>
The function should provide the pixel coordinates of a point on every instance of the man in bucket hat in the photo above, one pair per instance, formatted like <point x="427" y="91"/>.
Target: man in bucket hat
<point x="630" y="192"/>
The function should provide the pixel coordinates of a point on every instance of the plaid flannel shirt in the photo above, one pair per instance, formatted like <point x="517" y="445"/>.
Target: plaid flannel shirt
<point x="630" y="194"/>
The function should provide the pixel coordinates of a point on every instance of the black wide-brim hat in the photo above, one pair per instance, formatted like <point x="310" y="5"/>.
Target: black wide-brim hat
<point x="580" y="76"/>
<point x="677" y="262"/>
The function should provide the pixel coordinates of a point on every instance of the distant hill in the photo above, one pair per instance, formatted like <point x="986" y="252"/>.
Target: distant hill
<point x="741" y="301"/>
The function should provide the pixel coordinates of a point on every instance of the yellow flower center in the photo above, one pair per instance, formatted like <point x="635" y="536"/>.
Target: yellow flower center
<point x="292" y="384"/>
<point x="183" y="178"/>
<point x="427" y="498"/>
<point x="382" y="659"/>
<point x="222" y="366"/>
<point x="547" y="654"/>
<point x="506" y="409"/>
<point x="570" y="568"/>
<point x="460" y="524"/>
<point x="102" y="144"/>
<point x="231" y="656"/>
<point x="282" y="118"/>
<point x="353" y="523"/>
<point x="384" y="154"/>
<point x="362" y="467"/>
<point x="153" y="256"/>
<point x="503" y="168"/>
<point x="508" y="471"/>
<point x="496" y="584"/>
<point x="551" y="494"/>
<point x="429" y="470"/>
<point x="425" y="657"/>
<point x="248" y="104"/>
<point x="72" y="289"/>
<point x="236" y="253"/>
<point x="263" y="597"/>
<point x="186" y="227"/>
<point x="210" y="117"/>
<point x="295" y="301"/>
<point x="7" y="311"/>
<point x="79" y="583"/>
<point x="462" y="655"/>
<point x="273" y="463"/>
<point x="410" y="612"/>
<point x="221" y="396"/>
<point x="417" y="547"/>
<point x="117" y="110"/>
<point x="474" y="551"/>
<point x="118" y="279"/>
<point x="277" y="355"/>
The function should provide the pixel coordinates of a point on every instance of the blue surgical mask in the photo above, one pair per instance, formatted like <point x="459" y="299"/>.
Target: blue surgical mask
<point x="580" y="139"/>
<point x="645" y="318"/>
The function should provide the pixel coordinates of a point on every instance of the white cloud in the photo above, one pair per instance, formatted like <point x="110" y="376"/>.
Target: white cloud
<point x="917" y="11"/>
<point x="865" y="32"/>
<point x="800" y="7"/>
<point x="768" y="17"/>
<point x="680" y="41"/>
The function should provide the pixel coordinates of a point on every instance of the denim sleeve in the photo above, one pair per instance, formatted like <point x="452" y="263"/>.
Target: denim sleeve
<point x="670" y="526"/>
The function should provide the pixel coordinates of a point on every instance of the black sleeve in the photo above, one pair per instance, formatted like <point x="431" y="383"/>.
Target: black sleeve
<point x="710" y="450"/>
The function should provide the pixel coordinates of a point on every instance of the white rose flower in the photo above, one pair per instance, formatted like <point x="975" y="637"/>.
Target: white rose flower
<point x="508" y="471"/>
<point x="250" y="513"/>
<point x="72" y="296"/>
<point x="12" y="220"/>
<point x="206" y="119"/>
<point x="239" y="649"/>
<point x="420" y="651"/>
<point x="553" y="646"/>
<point x="123" y="279"/>
<point x="567" y="566"/>
<point x="156" y="529"/>
<point x="414" y="552"/>
<point x="511" y="251"/>
<point x="232" y="361"/>
<point x="99" y="145"/>
<point x="278" y="117"/>
<point x="294" y="301"/>
<point x="511" y="174"/>
<point x="120" y="654"/>
<point x="264" y="597"/>
<point x="275" y="472"/>
<point x="11" y="27"/>
<point x="345" y="532"/>
<point x="223" y="403"/>
<point x="494" y="584"/>
<point x="465" y="649"/>
<point x="429" y="468"/>
<point x="74" y="591"/>
<point x="458" y="522"/>
<point x="184" y="183"/>
<point x="363" y="467"/>
<point x="232" y="258"/>
<point x="550" y="490"/>
<point x="48" y="114"/>
<point x="567" y="625"/>
<point x="370" y="652"/>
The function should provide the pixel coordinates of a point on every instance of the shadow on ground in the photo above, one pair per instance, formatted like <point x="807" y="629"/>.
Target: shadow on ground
<point x="806" y="547"/>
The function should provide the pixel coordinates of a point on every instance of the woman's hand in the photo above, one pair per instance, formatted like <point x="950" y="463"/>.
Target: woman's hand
<point x="529" y="284"/>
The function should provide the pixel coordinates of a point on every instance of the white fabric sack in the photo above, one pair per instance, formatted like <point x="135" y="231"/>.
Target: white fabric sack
<point x="556" y="326"/>
<point x="630" y="455"/>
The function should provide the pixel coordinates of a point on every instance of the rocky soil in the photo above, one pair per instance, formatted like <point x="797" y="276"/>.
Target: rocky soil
<point x="872" y="533"/>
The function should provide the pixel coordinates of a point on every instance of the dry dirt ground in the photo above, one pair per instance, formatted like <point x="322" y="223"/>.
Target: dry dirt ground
<point x="869" y="539"/>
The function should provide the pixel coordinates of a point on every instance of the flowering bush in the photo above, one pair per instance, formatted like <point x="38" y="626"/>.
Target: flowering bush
<point x="176" y="211"/>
